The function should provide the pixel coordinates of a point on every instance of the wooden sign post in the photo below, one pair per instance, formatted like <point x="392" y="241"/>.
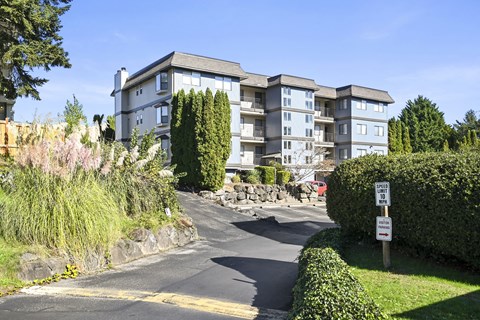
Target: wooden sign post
<point x="384" y="222"/>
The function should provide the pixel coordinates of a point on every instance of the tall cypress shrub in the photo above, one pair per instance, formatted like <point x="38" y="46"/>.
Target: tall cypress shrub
<point x="176" y="132"/>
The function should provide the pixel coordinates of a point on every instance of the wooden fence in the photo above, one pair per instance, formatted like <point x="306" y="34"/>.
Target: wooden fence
<point x="8" y="136"/>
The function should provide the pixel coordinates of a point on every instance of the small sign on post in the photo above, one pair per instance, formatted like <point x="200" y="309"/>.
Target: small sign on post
<point x="384" y="222"/>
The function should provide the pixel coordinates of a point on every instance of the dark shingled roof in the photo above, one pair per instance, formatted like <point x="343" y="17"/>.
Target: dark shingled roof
<point x="365" y="93"/>
<point x="326" y="92"/>
<point x="255" y="80"/>
<point x="186" y="61"/>
<point x="293" y="81"/>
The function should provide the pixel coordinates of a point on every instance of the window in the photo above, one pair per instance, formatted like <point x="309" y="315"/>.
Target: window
<point x="343" y="129"/>
<point x="287" y="116"/>
<point x="195" y="79"/>
<point x="343" y="104"/>
<point x="138" y="90"/>
<point x="287" y="159"/>
<point x="242" y="121"/>
<point x="361" y="152"/>
<point x="308" y="146"/>
<point x="258" y="151"/>
<point x="379" y="152"/>
<point x="161" y="81"/>
<point x="378" y="107"/>
<point x="287" y="91"/>
<point x="242" y="150"/>
<point x="287" y="102"/>
<point x="138" y="120"/>
<point x="343" y="154"/>
<point x="379" y="131"/>
<point x="258" y="123"/>
<point x="287" y="145"/>
<point x="162" y="115"/>
<point x="308" y="159"/>
<point x="308" y="118"/>
<point x="141" y="119"/>
<point x="223" y="83"/>
<point x="308" y="132"/>
<point x="309" y="105"/>
<point x="141" y="90"/>
<point x="362" y="105"/>
<point x="165" y="144"/>
<point x="187" y="77"/>
<point x="308" y="94"/>
<point x="361" y="129"/>
<point x="287" y="131"/>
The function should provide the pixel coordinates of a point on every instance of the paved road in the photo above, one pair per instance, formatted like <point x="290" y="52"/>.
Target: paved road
<point x="241" y="268"/>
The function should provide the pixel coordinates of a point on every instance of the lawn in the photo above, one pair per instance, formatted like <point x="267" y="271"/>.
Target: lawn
<point x="414" y="288"/>
<point x="9" y="257"/>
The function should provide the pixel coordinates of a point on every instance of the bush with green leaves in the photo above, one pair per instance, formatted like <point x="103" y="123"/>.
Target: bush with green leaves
<point x="267" y="174"/>
<point x="434" y="201"/>
<point x="252" y="176"/>
<point x="325" y="288"/>
<point x="235" y="179"/>
<point x="283" y="177"/>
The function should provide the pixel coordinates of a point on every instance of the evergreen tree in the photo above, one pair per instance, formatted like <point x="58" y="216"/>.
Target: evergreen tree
<point x="399" y="140"/>
<point x="446" y="147"/>
<point x="407" y="147"/>
<point x="426" y="125"/>
<point x="473" y="138"/>
<point x="73" y="115"/>
<point x="392" y="136"/>
<point x="177" y="135"/>
<point x="29" y="38"/>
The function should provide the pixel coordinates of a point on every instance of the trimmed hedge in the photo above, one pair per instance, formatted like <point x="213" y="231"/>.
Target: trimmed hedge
<point x="325" y="288"/>
<point x="267" y="174"/>
<point x="283" y="177"/>
<point x="435" y="200"/>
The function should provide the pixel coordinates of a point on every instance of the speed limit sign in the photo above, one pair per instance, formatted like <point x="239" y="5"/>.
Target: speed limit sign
<point x="382" y="194"/>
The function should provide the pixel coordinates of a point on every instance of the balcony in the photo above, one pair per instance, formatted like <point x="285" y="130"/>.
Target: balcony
<point x="252" y="133"/>
<point x="324" y="138"/>
<point x="324" y="113"/>
<point x="254" y="105"/>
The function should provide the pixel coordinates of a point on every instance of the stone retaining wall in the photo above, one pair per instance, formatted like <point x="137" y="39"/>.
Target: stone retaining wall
<point x="142" y="242"/>
<point x="244" y="194"/>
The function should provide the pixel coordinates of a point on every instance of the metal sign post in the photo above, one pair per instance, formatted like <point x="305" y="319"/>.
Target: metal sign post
<point x="384" y="222"/>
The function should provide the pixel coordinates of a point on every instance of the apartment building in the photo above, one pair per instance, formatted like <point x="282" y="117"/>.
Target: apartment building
<point x="284" y="118"/>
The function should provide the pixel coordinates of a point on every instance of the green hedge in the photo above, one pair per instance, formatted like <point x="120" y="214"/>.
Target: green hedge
<point x="283" y="177"/>
<point x="267" y="174"/>
<point x="434" y="196"/>
<point x="325" y="288"/>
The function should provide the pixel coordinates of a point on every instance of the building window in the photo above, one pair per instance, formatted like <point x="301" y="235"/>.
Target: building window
<point x="343" y="129"/>
<point x="308" y="94"/>
<point x="138" y="120"/>
<point x="287" y="116"/>
<point x="138" y="90"/>
<point x="361" y="152"/>
<point x="379" y="131"/>
<point x="141" y="90"/>
<point x="162" y="115"/>
<point x="379" y="152"/>
<point x="141" y="119"/>
<point x="196" y="79"/>
<point x="343" y="104"/>
<point x="308" y="146"/>
<point x="308" y="132"/>
<point x="378" y="107"/>
<point x="242" y="150"/>
<point x="287" y="91"/>
<point x="343" y="154"/>
<point x="287" y="131"/>
<point x="223" y="83"/>
<point x="309" y="105"/>
<point x="161" y="82"/>
<point x="165" y="144"/>
<point x="308" y="159"/>
<point x="287" y="145"/>
<point x="361" y="129"/>
<point x="362" y="105"/>
<point x="308" y="118"/>
<point x="287" y="159"/>
<point x="258" y="151"/>
<point x="242" y="121"/>
<point x="287" y="102"/>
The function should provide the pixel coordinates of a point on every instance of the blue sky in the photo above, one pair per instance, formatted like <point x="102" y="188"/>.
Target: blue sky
<point x="408" y="48"/>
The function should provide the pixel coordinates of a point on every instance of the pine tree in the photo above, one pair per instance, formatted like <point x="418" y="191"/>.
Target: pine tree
<point x="73" y="115"/>
<point x="446" y="147"/>
<point x="399" y="140"/>
<point x="407" y="147"/>
<point x="473" y="138"/>
<point x="29" y="38"/>
<point x="392" y="136"/>
<point x="177" y="135"/>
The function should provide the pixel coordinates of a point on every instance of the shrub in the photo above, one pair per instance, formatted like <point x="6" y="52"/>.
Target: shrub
<point x="283" y="177"/>
<point x="235" y="178"/>
<point x="267" y="174"/>
<point x="434" y="199"/>
<point x="325" y="288"/>
<point x="252" y="176"/>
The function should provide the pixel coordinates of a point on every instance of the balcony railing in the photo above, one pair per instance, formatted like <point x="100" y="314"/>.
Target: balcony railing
<point x="252" y="104"/>
<point x="256" y="160"/>
<point x="325" y="137"/>
<point x="257" y="132"/>
<point x="322" y="112"/>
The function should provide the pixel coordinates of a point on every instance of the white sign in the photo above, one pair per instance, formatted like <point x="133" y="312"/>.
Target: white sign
<point x="384" y="228"/>
<point x="168" y="212"/>
<point x="382" y="194"/>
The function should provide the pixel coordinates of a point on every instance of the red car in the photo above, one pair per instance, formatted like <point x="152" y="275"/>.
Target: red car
<point x="321" y="187"/>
